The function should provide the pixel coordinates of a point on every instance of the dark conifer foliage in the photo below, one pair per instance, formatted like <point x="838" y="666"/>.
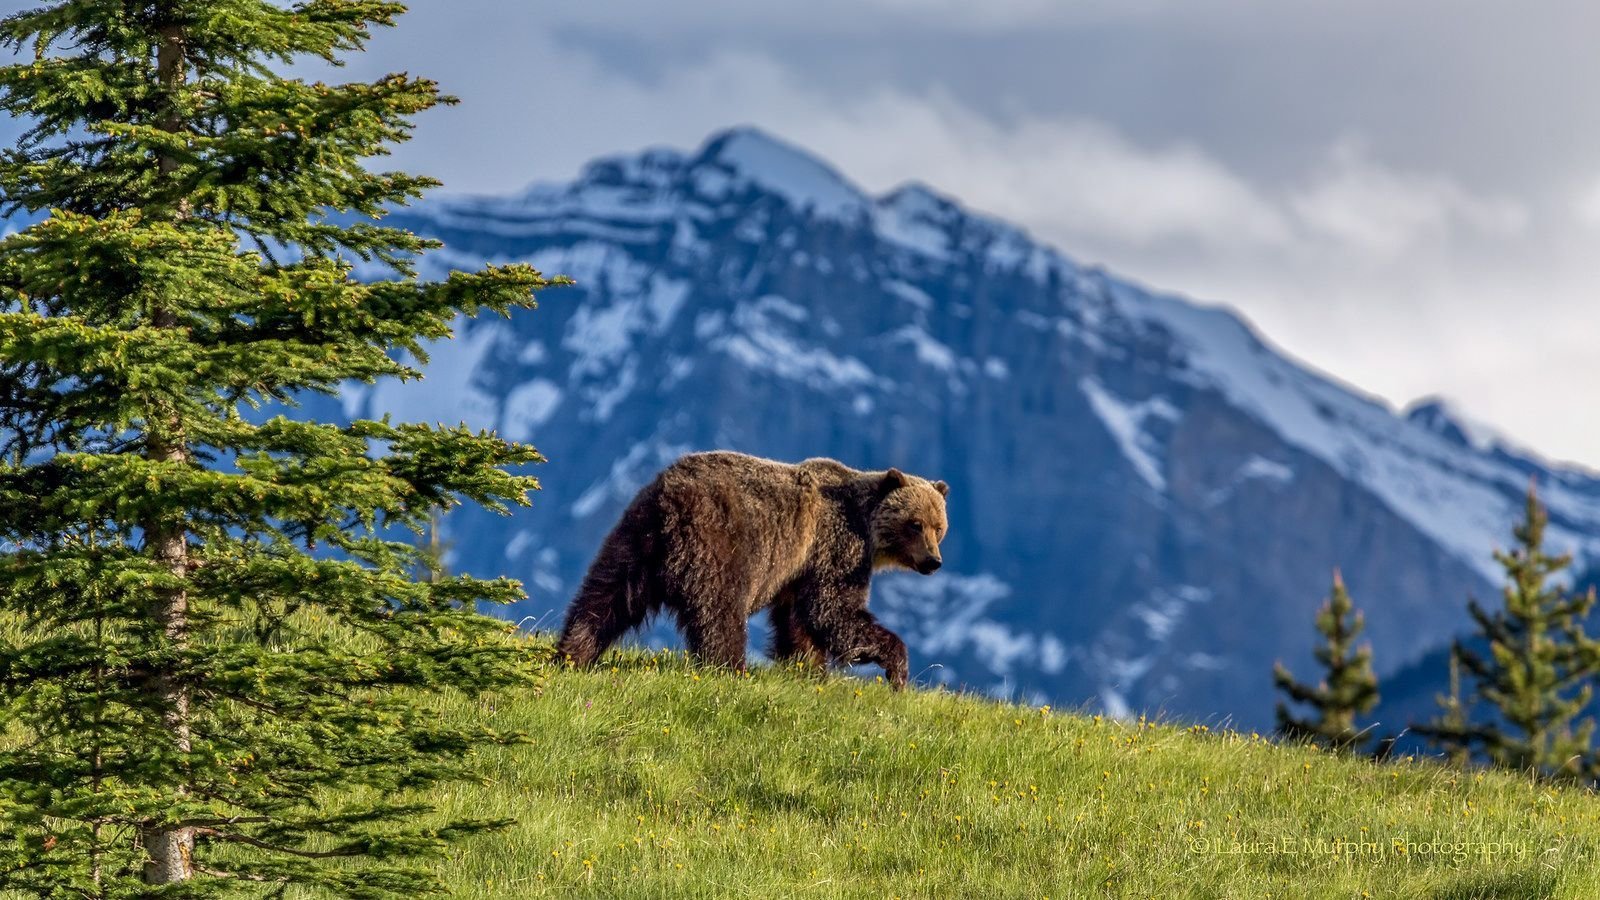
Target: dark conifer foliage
<point x="1348" y="687"/>
<point x="214" y="659"/>
<point x="1537" y="678"/>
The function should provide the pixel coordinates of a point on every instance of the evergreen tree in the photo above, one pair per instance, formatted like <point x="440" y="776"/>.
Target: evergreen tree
<point x="215" y="657"/>
<point x="1538" y="673"/>
<point x="432" y="548"/>
<point x="1454" y="721"/>
<point x="1349" y="687"/>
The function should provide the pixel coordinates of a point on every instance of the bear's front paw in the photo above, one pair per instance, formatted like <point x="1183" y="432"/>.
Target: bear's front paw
<point x="896" y="663"/>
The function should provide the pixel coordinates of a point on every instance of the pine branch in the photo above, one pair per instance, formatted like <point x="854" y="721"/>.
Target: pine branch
<point x="235" y="837"/>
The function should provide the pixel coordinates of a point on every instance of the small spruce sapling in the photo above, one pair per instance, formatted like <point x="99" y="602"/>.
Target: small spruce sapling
<point x="1348" y="688"/>
<point x="1536" y="678"/>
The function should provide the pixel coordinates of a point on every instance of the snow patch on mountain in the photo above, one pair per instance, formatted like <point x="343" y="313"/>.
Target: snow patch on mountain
<point x="519" y="542"/>
<point x="1126" y="423"/>
<point x="639" y="302"/>
<point x="929" y="351"/>
<point x="527" y="407"/>
<point x="606" y="396"/>
<point x="533" y="353"/>
<point x="762" y="338"/>
<point x="1256" y="468"/>
<point x="772" y="304"/>
<point x="1162" y="611"/>
<point x="1263" y="469"/>
<point x="910" y="294"/>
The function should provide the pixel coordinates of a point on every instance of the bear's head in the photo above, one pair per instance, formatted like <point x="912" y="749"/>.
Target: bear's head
<point x="909" y="522"/>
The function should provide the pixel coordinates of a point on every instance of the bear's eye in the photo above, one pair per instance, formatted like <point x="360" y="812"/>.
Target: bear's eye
<point x="916" y="527"/>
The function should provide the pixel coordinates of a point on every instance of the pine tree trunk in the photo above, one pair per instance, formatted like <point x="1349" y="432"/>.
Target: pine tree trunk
<point x="170" y="850"/>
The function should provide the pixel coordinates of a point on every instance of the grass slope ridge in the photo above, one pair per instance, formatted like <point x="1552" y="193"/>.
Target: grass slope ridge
<point x="649" y="778"/>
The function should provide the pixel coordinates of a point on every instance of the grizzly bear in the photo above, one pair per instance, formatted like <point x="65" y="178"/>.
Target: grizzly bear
<point x="718" y="536"/>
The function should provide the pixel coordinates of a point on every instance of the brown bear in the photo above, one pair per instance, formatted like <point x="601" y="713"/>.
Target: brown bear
<point x="718" y="536"/>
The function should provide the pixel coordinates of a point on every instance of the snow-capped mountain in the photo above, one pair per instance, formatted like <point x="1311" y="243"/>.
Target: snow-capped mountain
<point x="1147" y="499"/>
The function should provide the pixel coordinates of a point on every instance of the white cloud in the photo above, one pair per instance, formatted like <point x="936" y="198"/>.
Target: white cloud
<point x="1068" y="178"/>
<point x="1586" y="205"/>
<point x="1356" y="201"/>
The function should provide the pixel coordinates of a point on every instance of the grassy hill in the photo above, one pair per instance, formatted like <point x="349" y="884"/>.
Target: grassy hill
<point x="647" y="778"/>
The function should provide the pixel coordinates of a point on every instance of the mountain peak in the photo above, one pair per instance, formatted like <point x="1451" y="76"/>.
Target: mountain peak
<point x="1445" y="418"/>
<point x="1438" y="416"/>
<point x="802" y="179"/>
<point x="917" y="194"/>
<point x="654" y="166"/>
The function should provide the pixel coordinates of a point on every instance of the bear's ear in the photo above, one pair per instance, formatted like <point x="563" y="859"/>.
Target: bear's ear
<point x="942" y="488"/>
<point x="894" y="478"/>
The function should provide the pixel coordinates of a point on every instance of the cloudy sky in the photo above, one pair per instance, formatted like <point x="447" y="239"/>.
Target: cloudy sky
<point x="1404" y="193"/>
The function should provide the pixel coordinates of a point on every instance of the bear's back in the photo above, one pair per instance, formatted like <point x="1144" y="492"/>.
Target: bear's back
<point x="730" y="464"/>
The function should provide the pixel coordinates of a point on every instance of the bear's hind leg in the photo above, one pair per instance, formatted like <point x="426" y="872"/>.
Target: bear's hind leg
<point x="606" y="607"/>
<point x="716" y="637"/>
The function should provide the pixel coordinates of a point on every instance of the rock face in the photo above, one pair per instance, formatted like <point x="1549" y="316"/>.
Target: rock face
<point x="1146" y="499"/>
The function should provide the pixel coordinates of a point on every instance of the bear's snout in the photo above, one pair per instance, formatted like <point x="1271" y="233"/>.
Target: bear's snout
<point x="930" y="565"/>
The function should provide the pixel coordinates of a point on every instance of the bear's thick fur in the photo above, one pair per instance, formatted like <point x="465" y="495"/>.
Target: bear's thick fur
<point x="719" y="536"/>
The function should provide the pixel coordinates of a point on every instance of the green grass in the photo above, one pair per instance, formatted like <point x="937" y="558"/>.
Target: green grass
<point x="649" y="778"/>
